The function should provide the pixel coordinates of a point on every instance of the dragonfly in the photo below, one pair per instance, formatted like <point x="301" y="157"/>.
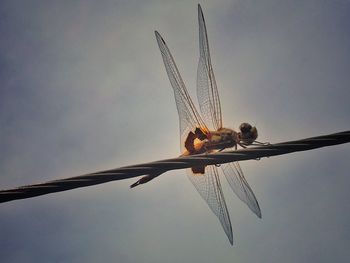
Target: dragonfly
<point x="204" y="133"/>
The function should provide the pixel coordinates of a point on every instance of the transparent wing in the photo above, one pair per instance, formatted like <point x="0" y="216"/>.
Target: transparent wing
<point x="207" y="92"/>
<point x="240" y="186"/>
<point x="209" y="187"/>
<point x="188" y="115"/>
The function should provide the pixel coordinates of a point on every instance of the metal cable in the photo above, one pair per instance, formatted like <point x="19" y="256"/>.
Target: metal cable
<point x="159" y="167"/>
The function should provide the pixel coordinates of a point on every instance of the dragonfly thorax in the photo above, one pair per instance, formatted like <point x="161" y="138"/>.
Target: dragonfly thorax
<point x="201" y="141"/>
<point x="223" y="135"/>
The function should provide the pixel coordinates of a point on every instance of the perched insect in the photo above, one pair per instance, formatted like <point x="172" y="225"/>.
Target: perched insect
<point x="207" y="135"/>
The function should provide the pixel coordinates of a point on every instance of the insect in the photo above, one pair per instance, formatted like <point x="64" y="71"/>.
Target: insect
<point x="207" y="134"/>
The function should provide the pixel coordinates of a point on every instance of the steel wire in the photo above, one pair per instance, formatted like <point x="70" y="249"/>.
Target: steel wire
<point x="162" y="166"/>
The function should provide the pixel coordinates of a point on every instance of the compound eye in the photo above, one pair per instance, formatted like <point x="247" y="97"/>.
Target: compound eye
<point x="245" y="127"/>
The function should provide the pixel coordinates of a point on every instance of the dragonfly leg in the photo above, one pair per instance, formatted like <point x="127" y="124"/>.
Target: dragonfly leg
<point x="261" y="143"/>
<point x="242" y="145"/>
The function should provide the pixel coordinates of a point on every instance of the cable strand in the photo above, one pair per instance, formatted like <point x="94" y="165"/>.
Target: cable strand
<point x="162" y="166"/>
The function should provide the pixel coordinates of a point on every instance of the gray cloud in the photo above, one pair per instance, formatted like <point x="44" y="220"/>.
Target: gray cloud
<point x="83" y="88"/>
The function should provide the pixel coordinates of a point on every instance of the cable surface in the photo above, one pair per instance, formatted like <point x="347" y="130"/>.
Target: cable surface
<point x="162" y="166"/>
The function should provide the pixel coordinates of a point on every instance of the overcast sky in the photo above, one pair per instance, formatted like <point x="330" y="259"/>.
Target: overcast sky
<point x="83" y="88"/>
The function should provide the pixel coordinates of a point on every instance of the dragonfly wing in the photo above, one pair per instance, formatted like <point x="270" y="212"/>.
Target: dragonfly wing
<point x="188" y="115"/>
<point x="209" y="187"/>
<point x="207" y="92"/>
<point x="240" y="186"/>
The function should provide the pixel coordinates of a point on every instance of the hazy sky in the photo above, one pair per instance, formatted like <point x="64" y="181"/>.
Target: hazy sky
<point x="83" y="88"/>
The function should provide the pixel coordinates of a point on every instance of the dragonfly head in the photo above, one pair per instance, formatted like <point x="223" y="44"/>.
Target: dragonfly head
<point x="248" y="133"/>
